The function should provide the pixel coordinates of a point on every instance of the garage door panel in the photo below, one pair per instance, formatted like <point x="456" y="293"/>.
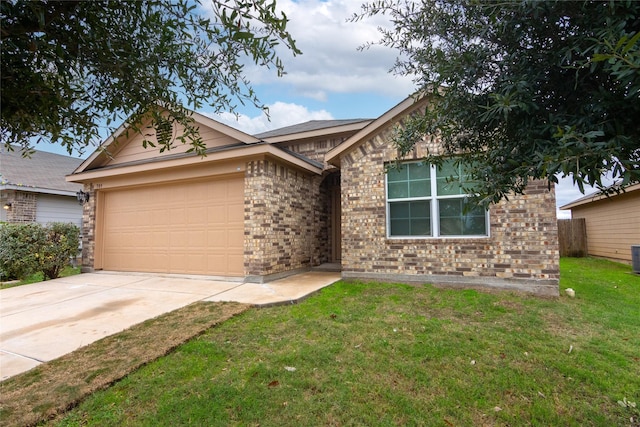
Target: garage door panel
<point x="185" y="228"/>
<point x="236" y="239"/>
<point x="217" y="214"/>
<point x="195" y="215"/>
<point x="235" y="211"/>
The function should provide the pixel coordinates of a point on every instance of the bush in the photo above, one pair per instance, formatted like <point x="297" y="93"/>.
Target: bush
<point x="18" y="249"/>
<point x="28" y="248"/>
<point x="60" y="246"/>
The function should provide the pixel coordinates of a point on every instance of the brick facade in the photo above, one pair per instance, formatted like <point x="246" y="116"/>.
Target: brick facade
<point x="521" y="252"/>
<point x="286" y="220"/>
<point x="23" y="207"/>
<point x="88" y="229"/>
<point x="288" y="223"/>
<point x="315" y="149"/>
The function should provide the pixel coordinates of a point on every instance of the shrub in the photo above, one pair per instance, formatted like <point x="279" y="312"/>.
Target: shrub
<point x="18" y="249"/>
<point x="60" y="246"/>
<point x="29" y="248"/>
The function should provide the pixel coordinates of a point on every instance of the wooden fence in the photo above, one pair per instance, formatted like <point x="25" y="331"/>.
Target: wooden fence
<point x="572" y="236"/>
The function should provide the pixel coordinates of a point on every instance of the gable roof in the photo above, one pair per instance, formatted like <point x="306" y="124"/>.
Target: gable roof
<point x="43" y="172"/>
<point x="217" y="154"/>
<point x="597" y="197"/>
<point x="302" y="129"/>
<point x="97" y="158"/>
<point x="405" y="107"/>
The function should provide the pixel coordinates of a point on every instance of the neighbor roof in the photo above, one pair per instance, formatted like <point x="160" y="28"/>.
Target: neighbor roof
<point x="42" y="172"/>
<point x="597" y="197"/>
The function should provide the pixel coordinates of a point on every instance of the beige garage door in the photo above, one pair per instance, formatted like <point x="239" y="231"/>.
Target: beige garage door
<point x="194" y="227"/>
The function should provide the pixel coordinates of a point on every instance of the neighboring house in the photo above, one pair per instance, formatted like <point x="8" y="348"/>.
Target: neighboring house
<point x="34" y="189"/>
<point x="613" y="223"/>
<point x="260" y="207"/>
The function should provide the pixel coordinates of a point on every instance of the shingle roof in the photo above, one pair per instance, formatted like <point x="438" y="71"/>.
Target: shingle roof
<point x="240" y="145"/>
<point x="42" y="172"/>
<point x="589" y="198"/>
<point x="308" y="127"/>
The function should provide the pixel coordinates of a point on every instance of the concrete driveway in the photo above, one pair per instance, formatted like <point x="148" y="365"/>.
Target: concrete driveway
<point x="46" y="320"/>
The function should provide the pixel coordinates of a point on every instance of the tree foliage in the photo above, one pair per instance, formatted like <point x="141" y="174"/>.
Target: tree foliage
<point x="70" y="67"/>
<point x="523" y="89"/>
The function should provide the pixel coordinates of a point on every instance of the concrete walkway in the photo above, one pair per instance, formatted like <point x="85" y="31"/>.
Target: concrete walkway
<point x="46" y="320"/>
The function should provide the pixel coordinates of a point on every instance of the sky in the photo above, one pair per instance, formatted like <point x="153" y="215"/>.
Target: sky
<point x="332" y="79"/>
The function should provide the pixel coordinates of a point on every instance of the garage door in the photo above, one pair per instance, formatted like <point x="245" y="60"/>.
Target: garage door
<point x="194" y="227"/>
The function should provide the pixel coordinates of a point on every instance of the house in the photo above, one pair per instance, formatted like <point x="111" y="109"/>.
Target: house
<point x="260" y="207"/>
<point x="612" y="223"/>
<point x="34" y="189"/>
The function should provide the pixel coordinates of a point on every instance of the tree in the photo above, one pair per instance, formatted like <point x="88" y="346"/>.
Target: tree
<point x="70" y="67"/>
<point x="523" y="89"/>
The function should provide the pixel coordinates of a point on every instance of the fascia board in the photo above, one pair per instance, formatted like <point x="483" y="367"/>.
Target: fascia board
<point x="596" y="197"/>
<point x="237" y="153"/>
<point x="333" y="156"/>
<point x="11" y="187"/>
<point x="225" y="129"/>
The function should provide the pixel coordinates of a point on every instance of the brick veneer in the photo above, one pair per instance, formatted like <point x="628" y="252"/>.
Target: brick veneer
<point x="521" y="252"/>
<point x="23" y="207"/>
<point x="315" y="149"/>
<point x="285" y="220"/>
<point x="89" y="230"/>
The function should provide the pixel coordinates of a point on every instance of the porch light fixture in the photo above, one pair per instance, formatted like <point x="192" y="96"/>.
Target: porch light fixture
<point x="82" y="197"/>
<point x="6" y="206"/>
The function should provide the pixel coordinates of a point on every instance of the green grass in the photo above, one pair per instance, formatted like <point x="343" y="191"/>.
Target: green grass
<point x="39" y="277"/>
<point x="381" y="354"/>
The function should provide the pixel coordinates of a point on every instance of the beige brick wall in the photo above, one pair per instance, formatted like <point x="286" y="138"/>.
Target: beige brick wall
<point x="89" y="229"/>
<point x="23" y="207"/>
<point x="315" y="149"/>
<point x="520" y="253"/>
<point x="285" y="220"/>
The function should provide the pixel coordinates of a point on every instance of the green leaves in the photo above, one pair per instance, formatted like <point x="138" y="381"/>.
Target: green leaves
<point x="70" y="67"/>
<point x="29" y="248"/>
<point x="523" y="89"/>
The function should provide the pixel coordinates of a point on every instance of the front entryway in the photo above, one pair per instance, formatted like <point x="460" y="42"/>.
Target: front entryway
<point x="335" y="218"/>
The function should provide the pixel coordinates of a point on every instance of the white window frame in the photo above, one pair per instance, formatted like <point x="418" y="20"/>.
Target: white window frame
<point x="434" y="210"/>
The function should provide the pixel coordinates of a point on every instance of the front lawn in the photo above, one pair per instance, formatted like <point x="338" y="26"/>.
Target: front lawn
<point x="363" y="354"/>
<point x="380" y="354"/>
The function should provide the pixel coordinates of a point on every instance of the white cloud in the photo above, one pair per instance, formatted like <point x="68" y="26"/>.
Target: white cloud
<point x="567" y="192"/>
<point x="281" y="114"/>
<point x="331" y="61"/>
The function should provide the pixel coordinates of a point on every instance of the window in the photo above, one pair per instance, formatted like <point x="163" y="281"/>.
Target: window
<point x="426" y="201"/>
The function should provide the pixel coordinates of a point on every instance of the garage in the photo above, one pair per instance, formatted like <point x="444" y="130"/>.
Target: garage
<point x="179" y="212"/>
<point x="186" y="227"/>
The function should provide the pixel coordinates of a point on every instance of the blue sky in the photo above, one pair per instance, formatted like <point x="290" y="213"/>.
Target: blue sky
<point x="332" y="79"/>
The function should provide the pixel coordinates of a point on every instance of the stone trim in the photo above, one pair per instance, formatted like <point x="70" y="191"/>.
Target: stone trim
<point x="546" y="288"/>
<point x="88" y="231"/>
<point x="275" y="276"/>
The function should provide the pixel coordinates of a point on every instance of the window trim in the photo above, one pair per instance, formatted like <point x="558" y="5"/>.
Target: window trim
<point x="433" y="199"/>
